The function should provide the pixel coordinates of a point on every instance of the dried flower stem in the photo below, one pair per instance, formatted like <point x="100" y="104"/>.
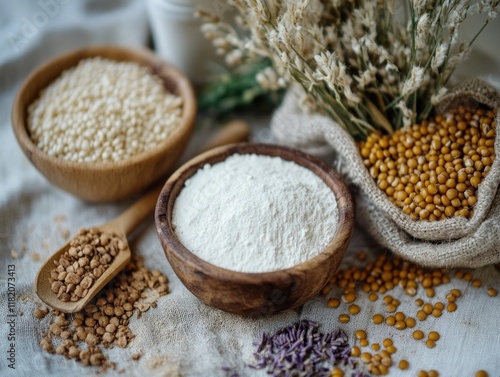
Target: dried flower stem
<point x="348" y="56"/>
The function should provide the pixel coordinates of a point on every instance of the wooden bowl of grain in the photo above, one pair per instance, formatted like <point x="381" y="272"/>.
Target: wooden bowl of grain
<point x="104" y="181"/>
<point x="254" y="293"/>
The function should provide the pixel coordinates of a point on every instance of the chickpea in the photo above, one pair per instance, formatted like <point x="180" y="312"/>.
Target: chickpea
<point x="440" y="162"/>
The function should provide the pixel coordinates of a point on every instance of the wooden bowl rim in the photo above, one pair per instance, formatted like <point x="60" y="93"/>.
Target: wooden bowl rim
<point x="164" y="206"/>
<point x="164" y="69"/>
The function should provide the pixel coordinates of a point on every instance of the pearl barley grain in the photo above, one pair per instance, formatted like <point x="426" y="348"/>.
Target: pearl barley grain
<point x="103" y="111"/>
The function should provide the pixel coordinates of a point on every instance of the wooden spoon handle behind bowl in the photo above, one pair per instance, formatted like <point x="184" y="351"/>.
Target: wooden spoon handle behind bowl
<point x="234" y="132"/>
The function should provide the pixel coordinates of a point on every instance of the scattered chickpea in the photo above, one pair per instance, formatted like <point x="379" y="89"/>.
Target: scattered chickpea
<point x="421" y="315"/>
<point x="366" y="357"/>
<point x="363" y="342"/>
<point x="451" y="307"/>
<point x="403" y="364"/>
<point x="439" y="305"/>
<point x="349" y="297"/>
<point x="427" y="308"/>
<point x="437" y="313"/>
<point x="400" y="325"/>
<point x="390" y="320"/>
<point x="391" y="349"/>
<point x="433" y="335"/>
<point x="492" y="292"/>
<point x="355" y="351"/>
<point x="477" y="283"/>
<point x="378" y="319"/>
<point x="481" y="373"/>
<point x="418" y="334"/>
<point x="373" y="296"/>
<point x="410" y="322"/>
<point x="360" y="334"/>
<point x="344" y="318"/>
<point x="427" y="191"/>
<point x="430" y="343"/>
<point x="375" y="347"/>
<point x="354" y="309"/>
<point x="333" y="303"/>
<point x="337" y="372"/>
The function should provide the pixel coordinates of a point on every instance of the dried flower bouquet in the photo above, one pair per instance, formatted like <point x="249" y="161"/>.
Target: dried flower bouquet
<point x="366" y="64"/>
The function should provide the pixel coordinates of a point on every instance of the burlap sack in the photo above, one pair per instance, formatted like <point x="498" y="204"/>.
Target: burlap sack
<point x="455" y="242"/>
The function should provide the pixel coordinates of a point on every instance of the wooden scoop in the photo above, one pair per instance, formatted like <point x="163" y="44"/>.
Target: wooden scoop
<point x="234" y="132"/>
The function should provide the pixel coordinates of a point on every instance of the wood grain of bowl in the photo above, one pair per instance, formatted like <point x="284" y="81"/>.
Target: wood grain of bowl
<point x="254" y="294"/>
<point x="106" y="181"/>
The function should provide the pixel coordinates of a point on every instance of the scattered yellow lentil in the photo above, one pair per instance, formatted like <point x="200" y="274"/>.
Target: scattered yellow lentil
<point x="451" y="307"/>
<point x="363" y="342"/>
<point x="387" y="342"/>
<point x="376" y="347"/>
<point x="433" y="373"/>
<point x="430" y="343"/>
<point x="481" y="373"/>
<point x="419" y="302"/>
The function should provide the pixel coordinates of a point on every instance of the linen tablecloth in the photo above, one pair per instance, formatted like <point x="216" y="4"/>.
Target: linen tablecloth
<point x="181" y="336"/>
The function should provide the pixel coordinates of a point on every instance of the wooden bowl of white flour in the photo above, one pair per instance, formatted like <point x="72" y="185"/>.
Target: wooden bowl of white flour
<point x="254" y="229"/>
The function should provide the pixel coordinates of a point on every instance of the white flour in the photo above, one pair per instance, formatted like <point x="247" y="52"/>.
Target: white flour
<point x="254" y="213"/>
